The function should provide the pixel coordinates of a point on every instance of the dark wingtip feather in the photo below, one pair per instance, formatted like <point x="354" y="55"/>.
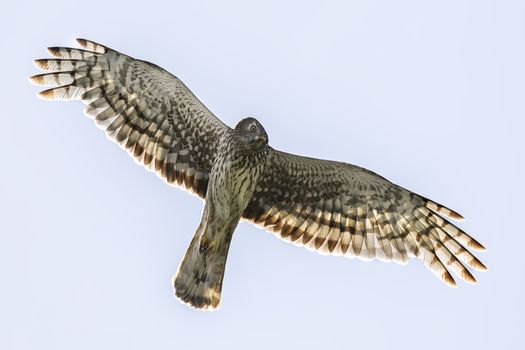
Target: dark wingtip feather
<point x="455" y="215"/>
<point x="468" y="277"/>
<point x="54" y="51"/>
<point x="91" y="45"/>
<point x="440" y="209"/>
<point x="448" y="279"/>
<point x="36" y="79"/>
<point x="476" y="245"/>
<point x="47" y="94"/>
<point x="82" y="42"/>
<point x="477" y="264"/>
<point x="40" y="63"/>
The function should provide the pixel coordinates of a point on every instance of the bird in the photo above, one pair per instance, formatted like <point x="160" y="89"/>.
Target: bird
<point x="331" y="207"/>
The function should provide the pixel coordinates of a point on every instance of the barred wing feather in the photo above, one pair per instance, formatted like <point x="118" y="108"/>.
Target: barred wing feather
<point x="341" y="209"/>
<point x="142" y="107"/>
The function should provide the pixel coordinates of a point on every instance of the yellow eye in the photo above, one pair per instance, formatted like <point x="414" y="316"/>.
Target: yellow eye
<point x="253" y="129"/>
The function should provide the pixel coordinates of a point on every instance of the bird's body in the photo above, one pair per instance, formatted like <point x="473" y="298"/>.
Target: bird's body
<point x="330" y="207"/>
<point x="198" y="281"/>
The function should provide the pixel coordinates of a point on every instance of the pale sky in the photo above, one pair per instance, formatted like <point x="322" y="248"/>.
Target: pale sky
<point x="427" y="94"/>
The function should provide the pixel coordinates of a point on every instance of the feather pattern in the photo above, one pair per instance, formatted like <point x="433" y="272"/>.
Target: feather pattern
<point x="329" y="207"/>
<point x="356" y="213"/>
<point x="143" y="108"/>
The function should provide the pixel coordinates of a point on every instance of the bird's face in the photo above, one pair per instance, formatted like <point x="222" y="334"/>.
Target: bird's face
<point x="252" y="133"/>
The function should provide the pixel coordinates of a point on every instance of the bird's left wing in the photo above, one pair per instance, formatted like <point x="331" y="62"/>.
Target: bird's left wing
<point x="142" y="107"/>
<point x="341" y="209"/>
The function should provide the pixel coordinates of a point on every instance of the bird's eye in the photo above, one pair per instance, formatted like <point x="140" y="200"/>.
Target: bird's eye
<point x="253" y="129"/>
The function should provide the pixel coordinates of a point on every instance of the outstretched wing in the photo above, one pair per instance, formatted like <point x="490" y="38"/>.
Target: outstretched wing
<point x="142" y="107"/>
<point x="341" y="209"/>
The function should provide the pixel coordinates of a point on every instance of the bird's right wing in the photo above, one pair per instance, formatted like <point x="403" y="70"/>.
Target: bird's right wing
<point x="142" y="107"/>
<point x="341" y="209"/>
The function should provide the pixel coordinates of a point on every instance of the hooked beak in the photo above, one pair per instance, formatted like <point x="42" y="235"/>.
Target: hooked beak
<point x="256" y="139"/>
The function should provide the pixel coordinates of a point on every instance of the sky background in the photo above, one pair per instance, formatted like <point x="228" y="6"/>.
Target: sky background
<point x="429" y="94"/>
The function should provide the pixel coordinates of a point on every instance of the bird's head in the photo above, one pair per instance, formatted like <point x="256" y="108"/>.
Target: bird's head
<point x="252" y="133"/>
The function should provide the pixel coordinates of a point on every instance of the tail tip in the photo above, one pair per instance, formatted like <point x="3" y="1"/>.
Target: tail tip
<point x="194" y="295"/>
<point x="198" y="302"/>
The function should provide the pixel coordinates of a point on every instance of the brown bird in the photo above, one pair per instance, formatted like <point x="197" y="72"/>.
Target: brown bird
<point x="330" y="207"/>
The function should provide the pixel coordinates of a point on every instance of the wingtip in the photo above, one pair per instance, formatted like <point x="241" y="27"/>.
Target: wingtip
<point x="91" y="45"/>
<point x="448" y="279"/>
<point x="54" y="51"/>
<point x="35" y="79"/>
<point x="81" y="41"/>
<point x="476" y="245"/>
<point x="468" y="277"/>
<point x="442" y="210"/>
<point x="456" y="216"/>
<point x="40" y="63"/>
<point x="47" y="95"/>
<point x="478" y="265"/>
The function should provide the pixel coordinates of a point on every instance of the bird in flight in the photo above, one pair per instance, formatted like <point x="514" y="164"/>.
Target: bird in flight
<point x="331" y="207"/>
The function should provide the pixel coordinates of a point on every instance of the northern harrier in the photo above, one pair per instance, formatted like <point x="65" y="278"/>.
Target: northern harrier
<point x="330" y="207"/>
